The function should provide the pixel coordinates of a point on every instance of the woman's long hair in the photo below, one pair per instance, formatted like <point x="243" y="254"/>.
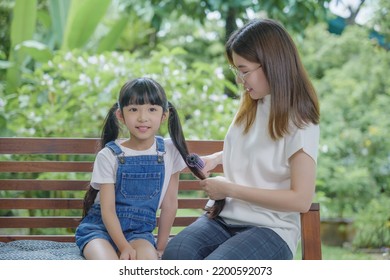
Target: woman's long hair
<point x="293" y="97"/>
<point x="142" y="91"/>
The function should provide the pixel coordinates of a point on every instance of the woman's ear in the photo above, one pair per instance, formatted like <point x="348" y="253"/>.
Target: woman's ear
<point x="119" y="115"/>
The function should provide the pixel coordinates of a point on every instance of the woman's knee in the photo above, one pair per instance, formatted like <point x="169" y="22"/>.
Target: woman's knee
<point x="178" y="248"/>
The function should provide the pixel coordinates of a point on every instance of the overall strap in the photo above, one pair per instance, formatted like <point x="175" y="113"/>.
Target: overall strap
<point x="116" y="150"/>
<point x="160" y="147"/>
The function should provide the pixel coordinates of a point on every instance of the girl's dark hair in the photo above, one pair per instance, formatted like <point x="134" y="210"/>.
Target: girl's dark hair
<point x="142" y="91"/>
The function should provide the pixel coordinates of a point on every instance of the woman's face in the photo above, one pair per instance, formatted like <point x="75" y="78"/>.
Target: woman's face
<point x="251" y="76"/>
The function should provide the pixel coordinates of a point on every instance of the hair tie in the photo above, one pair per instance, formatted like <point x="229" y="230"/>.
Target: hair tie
<point x="194" y="160"/>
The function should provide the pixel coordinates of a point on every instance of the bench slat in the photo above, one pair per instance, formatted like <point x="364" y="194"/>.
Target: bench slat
<point x="11" y="145"/>
<point x="41" y="203"/>
<point x="40" y="222"/>
<point x="70" y="185"/>
<point x="45" y="166"/>
<point x="58" y="238"/>
<point x="43" y="185"/>
<point x="77" y="203"/>
<point x="82" y="146"/>
<point x="67" y="222"/>
<point x="57" y="166"/>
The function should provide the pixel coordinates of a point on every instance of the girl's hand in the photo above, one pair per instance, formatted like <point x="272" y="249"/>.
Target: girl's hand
<point x="216" y="187"/>
<point x="128" y="253"/>
<point x="159" y="254"/>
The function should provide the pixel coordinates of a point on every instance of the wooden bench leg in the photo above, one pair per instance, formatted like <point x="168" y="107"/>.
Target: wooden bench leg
<point x="311" y="240"/>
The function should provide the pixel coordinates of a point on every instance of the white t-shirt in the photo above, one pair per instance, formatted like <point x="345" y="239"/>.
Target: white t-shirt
<point x="105" y="165"/>
<point x="254" y="159"/>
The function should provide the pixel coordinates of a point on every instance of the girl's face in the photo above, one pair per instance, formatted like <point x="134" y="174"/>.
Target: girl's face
<point x="251" y="76"/>
<point x="143" y="123"/>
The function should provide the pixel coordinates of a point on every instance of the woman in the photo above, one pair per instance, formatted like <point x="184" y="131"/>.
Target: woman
<point x="269" y="155"/>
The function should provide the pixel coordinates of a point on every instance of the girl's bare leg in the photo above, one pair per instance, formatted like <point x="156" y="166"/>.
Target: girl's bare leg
<point x="99" y="249"/>
<point x="145" y="250"/>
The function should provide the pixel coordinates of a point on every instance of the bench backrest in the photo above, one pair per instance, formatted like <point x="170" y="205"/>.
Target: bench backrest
<point x="60" y="169"/>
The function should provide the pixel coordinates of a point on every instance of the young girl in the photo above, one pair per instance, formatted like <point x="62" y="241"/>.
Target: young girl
<point x="269" y="155"/>
<point x="132" y="178"/>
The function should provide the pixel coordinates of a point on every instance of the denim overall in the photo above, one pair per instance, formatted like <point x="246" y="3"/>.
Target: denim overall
<point x="139" y="181"/>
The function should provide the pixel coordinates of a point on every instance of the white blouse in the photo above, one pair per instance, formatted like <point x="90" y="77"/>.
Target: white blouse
<point x="254" y="159"/>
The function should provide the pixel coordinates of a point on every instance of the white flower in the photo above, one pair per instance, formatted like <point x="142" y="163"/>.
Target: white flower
<point x="84" y="79"/>
<point x="68" y="56"/>
<point x="220" y="108"/>
<point x="81" y="61"/>
<point x="219" y="73"/>
<point x="93" y="60"/>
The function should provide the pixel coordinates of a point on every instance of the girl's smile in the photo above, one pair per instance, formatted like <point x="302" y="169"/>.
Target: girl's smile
<point x="143" y="122"/>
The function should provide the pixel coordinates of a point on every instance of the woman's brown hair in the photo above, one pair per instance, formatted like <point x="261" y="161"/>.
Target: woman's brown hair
<point x="293" y="97"/>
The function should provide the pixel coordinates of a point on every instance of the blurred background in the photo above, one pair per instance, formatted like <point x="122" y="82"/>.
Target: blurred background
<point x="62" y="63"/>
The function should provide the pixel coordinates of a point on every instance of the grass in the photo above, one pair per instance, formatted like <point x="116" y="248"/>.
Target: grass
<point x="341" y="253"/>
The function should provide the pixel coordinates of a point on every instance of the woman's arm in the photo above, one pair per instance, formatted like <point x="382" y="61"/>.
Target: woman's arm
<point x="211" y="161"/>
<point x="168" y="213"/>
<point x="111" y="221"/>
<point x="296" y="199"/>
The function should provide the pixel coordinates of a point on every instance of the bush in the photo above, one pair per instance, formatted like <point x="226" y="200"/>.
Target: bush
<point x="350" y="74"/>
<point x="372" y="225"/>
<point x="70" y="95"/>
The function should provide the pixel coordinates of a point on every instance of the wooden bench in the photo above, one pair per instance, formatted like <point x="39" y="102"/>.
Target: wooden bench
<point x="60" y="169"/>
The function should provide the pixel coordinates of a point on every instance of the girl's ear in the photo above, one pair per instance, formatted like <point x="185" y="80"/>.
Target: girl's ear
<point x="119" y="115"/>
<point x="165" y="116"/>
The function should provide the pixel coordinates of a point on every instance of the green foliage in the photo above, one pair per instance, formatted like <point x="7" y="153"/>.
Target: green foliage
<point x="350" y="73"/>
<point x="381" y="20"/>
<point x="71" y="94"/>
<point x="373" y="225"/>
<point x="5" y="19"/>
<point x="22" y="28"/>
<point x="83" y="18"/>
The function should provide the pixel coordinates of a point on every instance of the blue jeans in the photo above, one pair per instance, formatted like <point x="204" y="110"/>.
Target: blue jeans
<point x="213" y="239"/>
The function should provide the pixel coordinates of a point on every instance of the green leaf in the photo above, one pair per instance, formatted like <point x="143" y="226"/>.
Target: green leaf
<point x="22" y="28"/>
<point x="5" y="64"/>
<point x="59" y="12"/>
<point x="36" y="50"/>
<point x="23" y="22"/>
<point x="84" y="16"/>
<point x="110" y="41"/>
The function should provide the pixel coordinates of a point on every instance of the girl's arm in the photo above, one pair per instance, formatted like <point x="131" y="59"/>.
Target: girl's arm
<point x="111" y="221"/>
<point x="168" y="213"/>
<point x="296" y="199"/>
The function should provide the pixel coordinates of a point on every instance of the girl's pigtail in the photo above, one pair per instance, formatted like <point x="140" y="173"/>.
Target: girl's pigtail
<point x="217" y="207"/>
<point x="194" y="163"/>
<point x="111" y="127"/>
<point x="177" y="136"/>
<point x="109" y="133"/>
